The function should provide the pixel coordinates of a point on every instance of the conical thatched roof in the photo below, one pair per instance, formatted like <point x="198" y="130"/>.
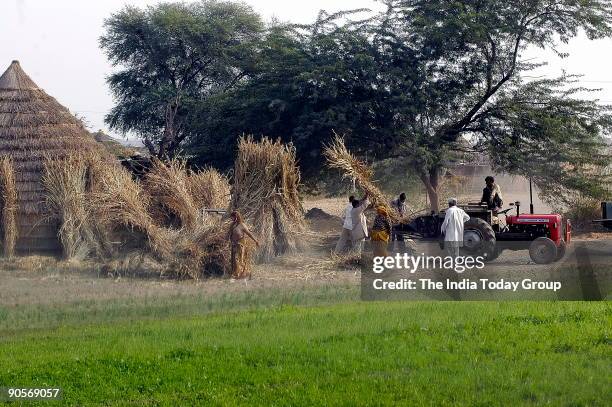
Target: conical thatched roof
<point x="33" y="125"/>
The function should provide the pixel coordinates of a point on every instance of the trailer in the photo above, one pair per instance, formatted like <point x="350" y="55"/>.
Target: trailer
<point x="606" y="215"/>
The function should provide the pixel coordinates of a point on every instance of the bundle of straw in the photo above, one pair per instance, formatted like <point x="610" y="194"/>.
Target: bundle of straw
<point x="204" y="250"/>
<point x="265" y="191"/>
<point x="168" y="183"/>
<point x="93" y="197"/>
<point x="65" y="184"/>
<point x="209" y="189"/>
<point x="121" y="200"/>
<point x="8" y="196"/>
<point x="339" y="157"/>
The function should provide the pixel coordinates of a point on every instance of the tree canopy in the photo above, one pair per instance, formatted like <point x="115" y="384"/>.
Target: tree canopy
<point x="171" y="58"/>
<point x="417" y="82"/>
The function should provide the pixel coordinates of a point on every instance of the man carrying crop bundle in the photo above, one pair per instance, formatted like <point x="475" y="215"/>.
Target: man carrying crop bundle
<point x="240" y="262"/>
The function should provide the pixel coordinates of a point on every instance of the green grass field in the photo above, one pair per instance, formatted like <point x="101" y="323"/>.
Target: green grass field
<point x="274" y="350"/>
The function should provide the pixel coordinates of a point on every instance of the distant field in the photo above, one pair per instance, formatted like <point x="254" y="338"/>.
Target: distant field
<point x="213" y="352"/>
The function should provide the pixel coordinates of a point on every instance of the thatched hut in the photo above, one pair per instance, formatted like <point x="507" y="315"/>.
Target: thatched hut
<point x="33" y="126"/>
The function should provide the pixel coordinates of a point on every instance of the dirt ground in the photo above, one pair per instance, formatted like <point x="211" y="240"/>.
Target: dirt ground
<point x="45" y="280"/>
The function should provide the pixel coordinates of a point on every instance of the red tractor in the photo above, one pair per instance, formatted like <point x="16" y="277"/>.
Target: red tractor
<point x="546" y="236"/>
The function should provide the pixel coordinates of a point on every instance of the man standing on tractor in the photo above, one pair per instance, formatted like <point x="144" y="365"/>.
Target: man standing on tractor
<point x="452" y="227"/>
<point x="491" y="195"/>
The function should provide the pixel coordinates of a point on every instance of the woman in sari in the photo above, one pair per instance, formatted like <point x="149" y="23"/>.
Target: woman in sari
<point x="381" y="231"/>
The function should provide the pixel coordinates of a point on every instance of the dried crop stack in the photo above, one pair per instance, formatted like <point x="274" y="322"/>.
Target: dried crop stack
<point x="184" y="193"/>
<point x="8" y="206"/>
<point x="210" y="189"/>
<point x="265" y="191"/>
<point x="167" y="184"/>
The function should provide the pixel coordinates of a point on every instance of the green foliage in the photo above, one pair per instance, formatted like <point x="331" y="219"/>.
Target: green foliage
<point x="418" y="83"/>
<point x="350" y="354"/>
<point x="310" y="81"/>
<point x="171" y="57"/>
<point x="582" y="211"/>
<point x="539" y="129"/>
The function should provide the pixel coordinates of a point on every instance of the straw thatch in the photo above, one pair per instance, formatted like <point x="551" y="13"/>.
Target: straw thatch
<point x="338" y="156"/>
<point x="33" y="126"/>
<point x="265" y="191"/>
<point x="8" y="202"/>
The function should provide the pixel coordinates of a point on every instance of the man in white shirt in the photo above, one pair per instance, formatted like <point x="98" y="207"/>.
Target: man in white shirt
<point x="360" y="223"/>
<point x="452" y="227"/>
<point x="347" y="227"/>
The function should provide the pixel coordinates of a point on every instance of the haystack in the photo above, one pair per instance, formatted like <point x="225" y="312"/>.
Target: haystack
<point x="33" y="125"/>
<point x="265" y="191"/>
<point x="120" y="200"/>
<point x="68" y="183"/>
<point x="182" y="195"/>
<point x="8" y="201"/>
<point x="339" y="157"/>
<point x="167" y="183"/>
<point x="210" y="189"/>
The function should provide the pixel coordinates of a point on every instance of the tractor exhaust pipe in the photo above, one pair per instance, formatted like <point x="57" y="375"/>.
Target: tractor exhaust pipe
<point x="530" y="197"/>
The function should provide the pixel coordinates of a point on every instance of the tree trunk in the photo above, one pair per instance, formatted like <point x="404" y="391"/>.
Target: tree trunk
<point x="170" y="129"/>
<point x="431" y="181"/>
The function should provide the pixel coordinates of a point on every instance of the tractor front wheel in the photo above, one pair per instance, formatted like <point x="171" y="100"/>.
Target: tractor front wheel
<point x="479" y="239"/>
<point x="543" y="250"/>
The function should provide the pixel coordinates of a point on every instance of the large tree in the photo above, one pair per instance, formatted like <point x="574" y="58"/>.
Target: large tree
<point x="311" y="80"/>
<point x="470" y="87"/>
<point x="171" y="58"/>
<point x="424" y="80"/>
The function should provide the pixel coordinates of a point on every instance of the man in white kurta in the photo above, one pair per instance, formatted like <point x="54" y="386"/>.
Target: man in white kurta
<point x="452" y="227"/>
<point x="360" y="224"/>
<point x="347" y="227"/>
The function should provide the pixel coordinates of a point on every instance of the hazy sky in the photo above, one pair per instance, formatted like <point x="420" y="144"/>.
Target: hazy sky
<point x="56" y="42"/>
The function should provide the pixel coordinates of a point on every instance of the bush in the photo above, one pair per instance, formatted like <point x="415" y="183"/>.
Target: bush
<point x="581" y="212"/>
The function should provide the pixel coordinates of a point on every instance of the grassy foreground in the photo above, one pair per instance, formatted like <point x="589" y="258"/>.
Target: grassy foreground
<point x="350" y="354"/>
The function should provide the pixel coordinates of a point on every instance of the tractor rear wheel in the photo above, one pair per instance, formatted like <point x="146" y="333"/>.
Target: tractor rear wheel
<point x="543" y="250"/>
<point x="479" y="239"/>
